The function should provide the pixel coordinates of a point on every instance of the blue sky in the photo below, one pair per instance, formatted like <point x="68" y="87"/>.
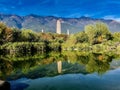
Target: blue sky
<point x="109" y="9"/>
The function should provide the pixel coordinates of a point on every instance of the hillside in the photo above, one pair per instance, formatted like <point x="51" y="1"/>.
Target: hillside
<point x="48" y="23"/>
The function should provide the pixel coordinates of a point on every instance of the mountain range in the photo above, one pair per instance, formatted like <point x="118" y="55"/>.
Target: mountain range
<point x="48" y="23"/>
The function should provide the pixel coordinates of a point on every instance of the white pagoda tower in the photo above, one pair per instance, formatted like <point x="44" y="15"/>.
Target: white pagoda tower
<point x="68" y="32"/>
<point x="42" y="30"/>
<point x="58" y="27"/>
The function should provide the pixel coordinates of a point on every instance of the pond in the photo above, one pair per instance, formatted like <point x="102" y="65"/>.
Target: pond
<point x="61" y="71"/>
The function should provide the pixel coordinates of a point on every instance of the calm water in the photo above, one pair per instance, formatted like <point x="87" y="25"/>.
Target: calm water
<point x="61" y="71"/>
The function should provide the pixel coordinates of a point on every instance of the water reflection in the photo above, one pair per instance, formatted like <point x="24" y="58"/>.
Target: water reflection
<point x="59" y="66"/>
<point x="109" y="81"/>
<point x="51" y="64"/>
<point x="19" y="84"/>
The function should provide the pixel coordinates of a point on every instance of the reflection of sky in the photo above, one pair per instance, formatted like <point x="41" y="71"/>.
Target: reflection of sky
<point x="108" y="81"/>
<point x="19" y="84"/>
<point x="64" y="8"/>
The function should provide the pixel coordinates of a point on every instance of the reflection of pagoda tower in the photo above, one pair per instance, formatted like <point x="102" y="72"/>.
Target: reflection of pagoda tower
<point x="59" y="66"/>
<point x="58" y="27"/>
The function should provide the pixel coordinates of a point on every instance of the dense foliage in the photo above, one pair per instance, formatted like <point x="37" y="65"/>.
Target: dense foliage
<point x="12" y="40"/>
<point x="95" y="37"/>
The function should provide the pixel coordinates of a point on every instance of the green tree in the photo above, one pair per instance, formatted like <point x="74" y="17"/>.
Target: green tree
<point x="98" y="33"/>
<point x="116" y="36"/>
<point x="81" y="37"/>
<point x="6" y="34"/>
<point x="28" y="35"/>
<point x="16" y="35"/>
<point x="91" y="32"/>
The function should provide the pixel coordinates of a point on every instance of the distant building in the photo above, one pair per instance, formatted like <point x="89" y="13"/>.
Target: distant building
<point x="68" y="32"/>
<point x="42" y="30"/>
<point x="58" y="27"/>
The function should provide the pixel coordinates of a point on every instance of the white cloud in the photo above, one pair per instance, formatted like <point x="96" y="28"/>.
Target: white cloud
<point x="112" y="17"/>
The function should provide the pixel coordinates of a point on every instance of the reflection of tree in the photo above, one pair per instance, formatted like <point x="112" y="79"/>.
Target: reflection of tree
<point x="71" y="57"/>
<point x="45" y="64"/>
<point x="98" y="63"/>
<point x="97" y="66"/>
<point x="5" y="68"/>
<point x="12" y="65"/>
<point x="93" y="62"/>
<point x="83" y="60"/>
<point x="23" y="65"/>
